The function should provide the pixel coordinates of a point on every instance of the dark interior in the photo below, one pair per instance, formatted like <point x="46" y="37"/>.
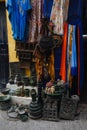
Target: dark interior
<point x="84" y="90"/>
<point x="4" y="61"/>
<point x="84" y="23"/>
<point x="3" y="25"/>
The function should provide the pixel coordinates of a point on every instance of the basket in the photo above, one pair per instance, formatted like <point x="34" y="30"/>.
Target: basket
<point x="51" y="110"/>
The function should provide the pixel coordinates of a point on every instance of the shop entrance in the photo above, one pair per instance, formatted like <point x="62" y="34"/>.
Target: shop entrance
<point x="84" y="23"/>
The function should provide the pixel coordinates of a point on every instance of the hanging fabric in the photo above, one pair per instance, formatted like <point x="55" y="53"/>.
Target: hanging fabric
<point x="63" y="55"/>
<point x="35" y="21"/>
<point x="71" y="69"/>
<point x="69" y="55"/>
<point x="59" y="15"/>
<point x="51" y="66"/>
<point x="75" y="12"/>
<point x="58" y="18"/>
<point x="75" y="18"/>
<point x="74" y="54"/>
<point x="18" y="10"/>
<point x="47" y="7"/>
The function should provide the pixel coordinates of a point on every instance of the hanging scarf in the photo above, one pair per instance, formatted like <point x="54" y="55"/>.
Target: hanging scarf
<point x="68" y="57"/>
<point x="74" y="18"/>
<point x="63" y="56"/>
<point x="74" y="54"/>
<point x="35" y="21"/>
<point x="59" y="15"/>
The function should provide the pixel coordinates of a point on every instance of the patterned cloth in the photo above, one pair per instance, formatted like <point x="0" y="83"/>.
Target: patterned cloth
<point x="35" y="21"/>
<point x="59" y="15"/>
<point x="69" y="53"/>
<point x="74" y="53"/>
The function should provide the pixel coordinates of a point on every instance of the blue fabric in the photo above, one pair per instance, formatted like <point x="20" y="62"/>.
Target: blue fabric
<point x="47" y="8"/>
<point x="74" y="11"/>
<point x="74" y="54"/>
<point x="57" y="61"/>
<point x="17" y="10"/>
<point x="75" y="18"/>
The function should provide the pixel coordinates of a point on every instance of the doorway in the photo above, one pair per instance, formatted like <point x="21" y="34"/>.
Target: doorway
<point x="84" y="24"/>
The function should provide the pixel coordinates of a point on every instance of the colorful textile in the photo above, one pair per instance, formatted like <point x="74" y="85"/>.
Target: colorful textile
<point x="74" y="53"/>
<point x="69" y="53"/>
<point x="74" y="18"/>
<point x="17" y="10"/>
<point x="51" y="66"/>
<point x="35" y="21"/>
<point x="63" y="55"/>
<point x="71" y="68"/>
<point x="59" y="15"/>
<point x="47" y="7"/>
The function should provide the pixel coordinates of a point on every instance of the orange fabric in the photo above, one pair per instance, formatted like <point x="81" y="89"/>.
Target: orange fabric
<point x="51" y="66"/>
<point x="63" y="56"/>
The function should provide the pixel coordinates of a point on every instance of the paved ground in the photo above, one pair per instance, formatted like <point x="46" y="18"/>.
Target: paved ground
<point x="80" y="123"/>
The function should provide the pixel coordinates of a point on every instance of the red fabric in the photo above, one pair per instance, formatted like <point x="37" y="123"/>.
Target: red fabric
<point x="63" y="55"/>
